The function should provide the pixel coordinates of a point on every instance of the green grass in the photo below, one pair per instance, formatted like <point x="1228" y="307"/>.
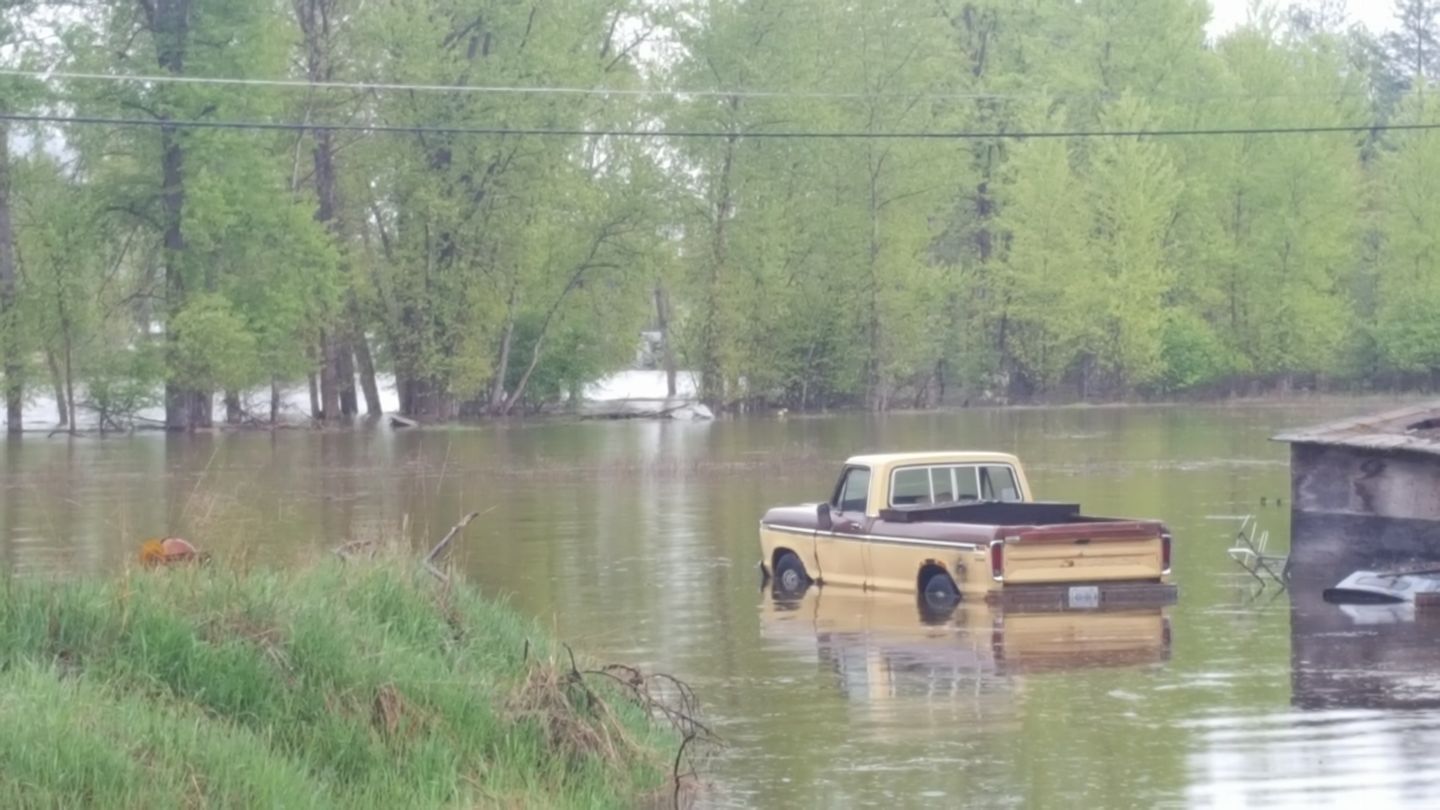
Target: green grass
<point x="330" y="686"/>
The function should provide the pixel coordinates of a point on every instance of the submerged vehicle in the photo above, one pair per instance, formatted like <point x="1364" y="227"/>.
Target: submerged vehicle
<point x="947" y="524"/>
<point x="1380" y="587"/>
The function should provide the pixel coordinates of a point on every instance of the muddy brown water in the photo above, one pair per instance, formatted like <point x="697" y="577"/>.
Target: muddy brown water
<point x="637" y="542"/>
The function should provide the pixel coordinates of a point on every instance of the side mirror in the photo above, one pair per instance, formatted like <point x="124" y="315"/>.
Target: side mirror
<point x="822" y="517"/>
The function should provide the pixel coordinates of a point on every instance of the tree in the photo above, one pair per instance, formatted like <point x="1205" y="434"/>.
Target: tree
<point x="1134" y="189"/>
<point x="10" y="344"/>
<point x="1413" y="46"/>
<point x="1405" y="329"/>
<point x="1051" y="286"/>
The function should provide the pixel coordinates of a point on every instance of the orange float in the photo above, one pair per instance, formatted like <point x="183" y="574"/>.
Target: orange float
<point x="168" y="551"/>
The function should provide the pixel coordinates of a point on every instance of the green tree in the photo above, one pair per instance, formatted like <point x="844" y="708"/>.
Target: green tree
<point x="1051" y="285"/>
<point x="1406" y="330"/>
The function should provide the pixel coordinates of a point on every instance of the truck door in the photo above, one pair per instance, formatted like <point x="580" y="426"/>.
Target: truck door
<point x="841" y="551"/>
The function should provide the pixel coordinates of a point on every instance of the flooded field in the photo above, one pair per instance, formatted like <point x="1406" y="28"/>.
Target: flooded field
<point x="637" y="541"/>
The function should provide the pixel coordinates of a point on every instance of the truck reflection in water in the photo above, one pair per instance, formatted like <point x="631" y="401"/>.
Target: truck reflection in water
<point x="883" y="645"/>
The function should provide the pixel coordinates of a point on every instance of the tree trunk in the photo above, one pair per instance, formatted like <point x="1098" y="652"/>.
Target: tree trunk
<point x="13" y="368"/>
<point x="667" y="352"/>
<point x="233" y="412"/>
<point x="576" y="278"/>
<point x="337" y="379"/>
<point x="329" y="385"/>
<point x="337" y="387"/>
<point x="424" y="398"/>
<point x="877" y="394"/>
<point x="932" y="388"/>
<point x="405" y="392"/>
<point x="366" y="363"/>
<point x="202" y="409"/>
<point x="345" y="378"/>
<point x="712" y="384"/>
<point x="502" y="366"/>
<point x="519" y="391"/>
<point x="169" y="24"/>
<point x="274" y="401"/>
<point x="57" y="380"/>
<point x="70" y="387"/>
<point x="314" y="397"/>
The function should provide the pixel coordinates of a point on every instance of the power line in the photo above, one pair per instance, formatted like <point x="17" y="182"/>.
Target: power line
<point x="606" y="92"/>
<point x="572" y="132"/>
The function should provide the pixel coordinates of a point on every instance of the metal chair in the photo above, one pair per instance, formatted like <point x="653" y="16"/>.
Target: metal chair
<point x="1250" y="553"/>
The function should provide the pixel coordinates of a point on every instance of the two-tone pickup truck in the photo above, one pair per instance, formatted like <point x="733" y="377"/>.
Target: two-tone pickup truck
<point x="953" y="523"/>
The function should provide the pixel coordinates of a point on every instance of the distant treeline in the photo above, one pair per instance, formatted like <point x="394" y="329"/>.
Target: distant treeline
<point x="883" y="203"/>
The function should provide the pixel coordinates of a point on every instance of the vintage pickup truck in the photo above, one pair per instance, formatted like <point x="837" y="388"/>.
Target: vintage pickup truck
<point x="949" y="524"/>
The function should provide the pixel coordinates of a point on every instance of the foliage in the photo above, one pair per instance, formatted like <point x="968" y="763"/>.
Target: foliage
<point x="491" y="274"/>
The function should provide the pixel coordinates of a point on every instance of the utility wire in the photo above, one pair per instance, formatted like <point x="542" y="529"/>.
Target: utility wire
<point x="301" y="84"/>
<point x="570" y="132"/>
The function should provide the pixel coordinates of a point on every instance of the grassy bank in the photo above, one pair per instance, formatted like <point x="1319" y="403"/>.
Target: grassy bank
<point x="362" y="686"/>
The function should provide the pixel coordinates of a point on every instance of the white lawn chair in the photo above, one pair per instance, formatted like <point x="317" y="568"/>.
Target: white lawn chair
<point x="1249" y="552"/>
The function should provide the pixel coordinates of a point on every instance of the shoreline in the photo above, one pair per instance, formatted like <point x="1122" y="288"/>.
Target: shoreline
<point x="335" y="684"/>
<point x="383" y="422"/>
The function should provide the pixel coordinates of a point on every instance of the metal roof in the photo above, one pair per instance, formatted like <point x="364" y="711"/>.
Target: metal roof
<point x="1412" y="429"/>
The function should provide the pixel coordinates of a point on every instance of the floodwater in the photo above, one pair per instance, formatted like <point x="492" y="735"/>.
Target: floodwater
<point x="637" y="542"/>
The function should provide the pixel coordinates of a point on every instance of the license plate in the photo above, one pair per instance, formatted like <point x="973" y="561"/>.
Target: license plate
<point x="1084" y="596"/>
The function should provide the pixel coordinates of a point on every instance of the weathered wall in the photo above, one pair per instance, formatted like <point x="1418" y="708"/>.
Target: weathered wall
<point x="1375" y="483"/>
<point x="1326" y="547"/>
<point x="1355" y="508"/>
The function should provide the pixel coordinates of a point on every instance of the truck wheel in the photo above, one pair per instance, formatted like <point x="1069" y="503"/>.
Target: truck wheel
<point x="790" y="577"/>
<point x="940" y="592"/>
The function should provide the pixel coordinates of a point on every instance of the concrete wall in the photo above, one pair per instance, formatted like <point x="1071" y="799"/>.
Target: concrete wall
<point x="1346" y="481"/>
<point x="1355" y="509"/>
<point x="1324" y="548"/>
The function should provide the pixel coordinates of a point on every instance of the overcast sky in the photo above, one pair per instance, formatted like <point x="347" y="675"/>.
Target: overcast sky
<point x="1376" y="14"/>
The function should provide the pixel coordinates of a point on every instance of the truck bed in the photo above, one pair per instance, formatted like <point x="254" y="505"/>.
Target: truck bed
<point x="994" y="513"/>
<point x="1041" y="543"/>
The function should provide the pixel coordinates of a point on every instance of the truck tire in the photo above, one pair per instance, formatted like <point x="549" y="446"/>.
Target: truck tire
<point x="940" y="592"/>
<point x="790" y="577"/>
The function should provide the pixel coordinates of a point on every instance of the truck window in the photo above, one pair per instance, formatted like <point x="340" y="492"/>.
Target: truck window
<point x="997" y="483"/>
<point x="910" y="486"/>
<point x="967" y="485"/>
<point x="854" y="493"/>
<point x="942" y="484"/>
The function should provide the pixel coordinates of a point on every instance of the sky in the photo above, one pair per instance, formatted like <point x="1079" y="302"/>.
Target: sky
<point x="1377" y="15"/>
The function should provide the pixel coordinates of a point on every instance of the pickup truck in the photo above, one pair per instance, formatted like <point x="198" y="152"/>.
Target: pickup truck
<point x="947" y="525"/>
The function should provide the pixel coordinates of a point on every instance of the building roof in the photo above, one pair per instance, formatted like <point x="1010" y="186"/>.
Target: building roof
<point x="1412" y="429"/>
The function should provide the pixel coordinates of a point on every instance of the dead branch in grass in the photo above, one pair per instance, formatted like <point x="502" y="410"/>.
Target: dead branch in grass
<point x="444" y="545"/>
<point x="580" y="720"/>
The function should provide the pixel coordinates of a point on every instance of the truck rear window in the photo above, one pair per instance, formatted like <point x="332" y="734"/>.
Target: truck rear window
<point x="951" y="483"/>
<point x="911" y="486"/>
<point x="997" y="483"/>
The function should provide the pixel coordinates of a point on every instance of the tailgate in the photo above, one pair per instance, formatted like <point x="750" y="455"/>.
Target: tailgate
<point x="1085" y="552"/>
